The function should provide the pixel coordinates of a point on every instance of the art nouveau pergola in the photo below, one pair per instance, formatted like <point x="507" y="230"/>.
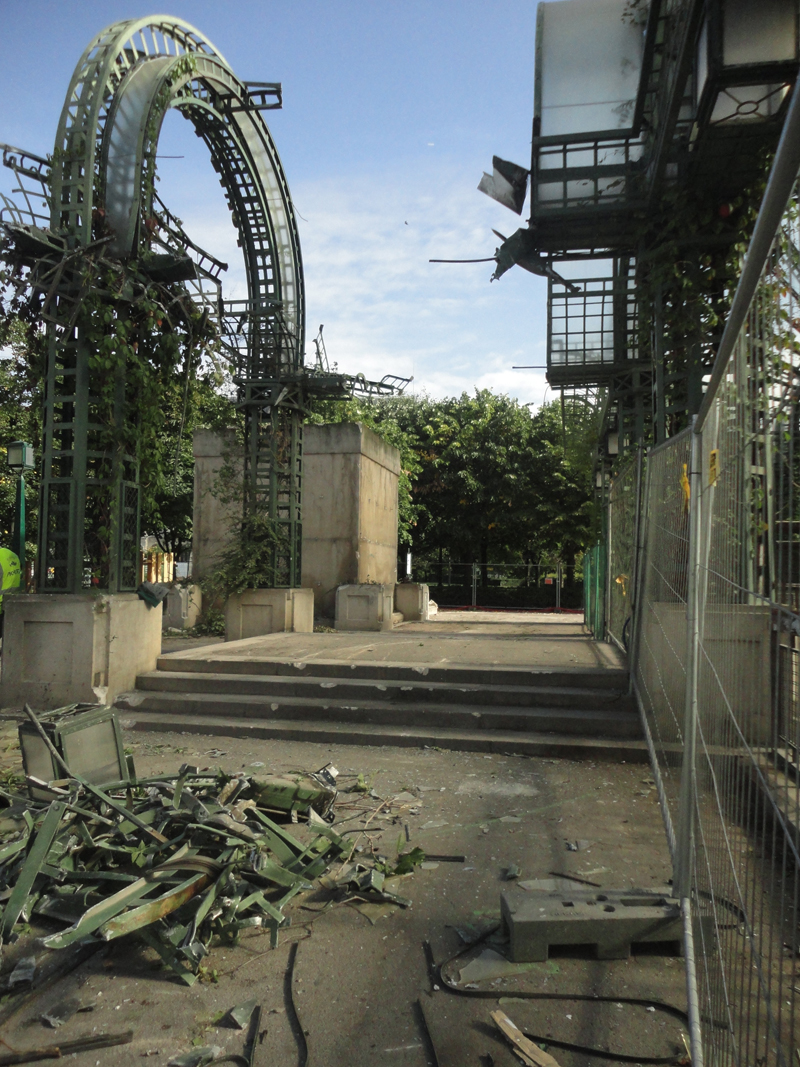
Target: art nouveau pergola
<point x="99" y="189"/>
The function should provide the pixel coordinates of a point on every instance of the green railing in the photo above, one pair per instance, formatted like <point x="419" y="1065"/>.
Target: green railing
<point x="594" y="590"/>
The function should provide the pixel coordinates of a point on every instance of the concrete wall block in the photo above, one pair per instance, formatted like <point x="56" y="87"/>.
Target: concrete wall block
<point x="256" y="612"/>
<point x="364" y="607"/>
<point x="61" y="648"/>
<point x="213" y="520"/>
<point x="412" y="600"/>
<point x="182" y="607"/>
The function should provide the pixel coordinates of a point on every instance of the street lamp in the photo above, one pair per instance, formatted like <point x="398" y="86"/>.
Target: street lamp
<point x="19" y="456"/>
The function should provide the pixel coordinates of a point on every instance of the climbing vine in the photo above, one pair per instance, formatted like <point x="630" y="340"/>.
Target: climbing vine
<point x="689" y="261"/>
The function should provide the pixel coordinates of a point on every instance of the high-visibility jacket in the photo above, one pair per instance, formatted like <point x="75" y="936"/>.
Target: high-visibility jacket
<point x="10" y="575"/>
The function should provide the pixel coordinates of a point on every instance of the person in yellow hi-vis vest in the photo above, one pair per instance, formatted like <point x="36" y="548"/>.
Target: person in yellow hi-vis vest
<point x="9" y="576"/>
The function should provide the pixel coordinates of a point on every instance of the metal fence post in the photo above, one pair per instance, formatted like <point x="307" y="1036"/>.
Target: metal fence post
<point x="636" y="582"/>
<point x="683" y="856"/>
<point x="474" y="585"/>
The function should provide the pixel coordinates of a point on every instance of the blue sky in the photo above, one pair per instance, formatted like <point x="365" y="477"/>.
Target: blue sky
<point x="391" y="113"/>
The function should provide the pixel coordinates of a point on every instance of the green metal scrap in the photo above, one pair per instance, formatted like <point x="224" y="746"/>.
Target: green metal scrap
<point x="174" y="859"/>
<point x="36" y="857"/>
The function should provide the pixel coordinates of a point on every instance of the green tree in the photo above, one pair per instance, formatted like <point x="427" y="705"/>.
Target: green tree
<point x="21" y="358"/>
<point x="483" y="478"/>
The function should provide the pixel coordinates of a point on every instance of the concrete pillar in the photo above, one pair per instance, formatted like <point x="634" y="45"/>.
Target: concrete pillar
<point x="350" y="478"/>
<point x="213" y="520"/>
<point x="61" y="648"/>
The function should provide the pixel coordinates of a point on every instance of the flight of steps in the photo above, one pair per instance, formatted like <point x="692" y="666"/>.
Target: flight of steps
<point x="572" y="714"/>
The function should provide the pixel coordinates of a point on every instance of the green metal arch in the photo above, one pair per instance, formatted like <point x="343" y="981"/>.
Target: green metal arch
<point x="193" y="77"/>
<point x="130" y="75"/>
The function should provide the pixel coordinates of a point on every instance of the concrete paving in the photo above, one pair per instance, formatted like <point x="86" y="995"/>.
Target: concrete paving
<point x="453" y="638"/>
<point x="357" y="987"/>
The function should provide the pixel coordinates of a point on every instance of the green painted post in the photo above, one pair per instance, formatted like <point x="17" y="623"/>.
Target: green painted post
<point x="18" y="538"/>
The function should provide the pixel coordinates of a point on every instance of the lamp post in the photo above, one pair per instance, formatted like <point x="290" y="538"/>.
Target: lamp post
<point x="19" y="456"/>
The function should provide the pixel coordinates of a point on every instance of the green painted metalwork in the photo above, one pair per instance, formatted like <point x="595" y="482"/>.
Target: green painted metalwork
<point x="18" y="534"/>
<point x="594" y="590"/>
<point x="130" y="75"/>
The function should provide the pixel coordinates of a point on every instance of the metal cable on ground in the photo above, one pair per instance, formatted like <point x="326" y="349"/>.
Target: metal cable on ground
<point x="296" y="1021"/>
<point x="437" y="974"/>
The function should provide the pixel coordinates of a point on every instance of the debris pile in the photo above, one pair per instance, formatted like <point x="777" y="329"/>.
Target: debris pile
<point x="176" y="859"/>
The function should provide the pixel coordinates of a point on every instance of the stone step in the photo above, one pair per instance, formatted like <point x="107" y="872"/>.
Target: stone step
<point x="552" y="746"/>
<point x="485" y="674"/>
<point x="390" y="691"/>
<point x="607" y="723"/>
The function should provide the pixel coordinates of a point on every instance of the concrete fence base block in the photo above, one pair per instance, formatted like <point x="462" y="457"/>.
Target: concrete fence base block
<point x="256" y="612"/>
<point x="61" y="648"/>
<point x="182" y="607"/>
<point x="412" y="600"/>
<point x="364" y="607"/>
<point x="606" y="921"/>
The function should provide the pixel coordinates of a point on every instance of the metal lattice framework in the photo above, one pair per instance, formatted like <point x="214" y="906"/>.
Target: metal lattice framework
<point x="103" y="168"/>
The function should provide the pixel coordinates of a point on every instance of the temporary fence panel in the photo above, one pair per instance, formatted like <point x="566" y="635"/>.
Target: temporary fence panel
<point x="746" y="862"/>
<point x="717" y="674"/>
<point x="623" y="524"/>
<point x="661" y="640"/>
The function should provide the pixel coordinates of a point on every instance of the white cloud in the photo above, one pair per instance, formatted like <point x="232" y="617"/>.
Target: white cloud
<point x="366" y="242"/>
<point x="386" y="309"/>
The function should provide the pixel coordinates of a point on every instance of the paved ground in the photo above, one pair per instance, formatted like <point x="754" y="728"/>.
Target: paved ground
<point x="358" y="986"/>
<point x="515" y="639"/>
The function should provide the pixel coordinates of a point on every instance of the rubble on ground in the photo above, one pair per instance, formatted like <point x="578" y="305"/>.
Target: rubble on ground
<point x="179" y="860"/>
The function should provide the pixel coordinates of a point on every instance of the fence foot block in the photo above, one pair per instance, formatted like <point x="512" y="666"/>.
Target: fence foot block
<point x="606" y="921"/>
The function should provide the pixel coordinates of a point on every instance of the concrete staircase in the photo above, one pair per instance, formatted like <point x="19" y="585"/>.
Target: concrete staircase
<point x="569" y="713"/>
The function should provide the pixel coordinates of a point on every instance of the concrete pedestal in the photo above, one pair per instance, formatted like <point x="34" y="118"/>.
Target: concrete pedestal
<point x="412" y="600"/>
<point x="62" y="649"/>
<point x="182" y="607"/>
<point x="269" y="611"/>
<point x="364" y="607"/>
<point x="350" y="479"/>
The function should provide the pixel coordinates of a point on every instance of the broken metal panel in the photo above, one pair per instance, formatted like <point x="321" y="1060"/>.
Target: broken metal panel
<point x="507" y="184"/>
<point x="88" y="739"/>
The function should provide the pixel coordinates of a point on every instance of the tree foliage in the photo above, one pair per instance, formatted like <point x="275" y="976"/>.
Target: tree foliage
<point x="483" y="478"/>
<point x="20" y="419"/>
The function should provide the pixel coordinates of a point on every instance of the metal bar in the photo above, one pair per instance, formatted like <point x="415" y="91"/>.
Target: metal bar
<point x="692" y="999"/>
<point x="782" y="177"/>
<point x="32" y="866"/>
<point x="683" y="859"/>
<point x="637" y="564"/>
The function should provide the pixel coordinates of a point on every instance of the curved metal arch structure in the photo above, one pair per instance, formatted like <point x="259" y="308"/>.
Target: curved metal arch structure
<point x="102" y="181"/>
